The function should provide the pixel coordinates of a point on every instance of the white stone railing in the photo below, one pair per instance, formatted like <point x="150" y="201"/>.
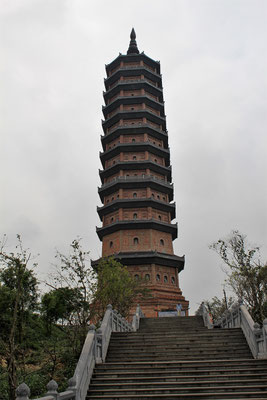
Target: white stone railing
<point x="94" y="352"/>
<point x="239" y="317"/>
<point x="207" y="319"/>
<point x="136" y="318"/>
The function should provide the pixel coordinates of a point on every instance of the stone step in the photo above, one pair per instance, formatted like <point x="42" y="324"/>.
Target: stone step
<point x="229" y="396"/>
<point x="220" y="389"/>
<point x="222" y="364"/>
<point x="180" y="358"/>
<point x="167" y="377"/>
<point x="178" y="332"/>
<point x="179" y="352"/>
<point x="177" y="385"/>
<point x="190" y="318"/>
<point x="181" y="374"/>
<point x="164" y="346"/>
<point x="177" y="339"/>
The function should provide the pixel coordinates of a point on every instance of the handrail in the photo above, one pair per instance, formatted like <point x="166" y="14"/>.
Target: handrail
<point x="239" y="317"/>
<point x="207" y="319"/>
<point x="94" y="352"/>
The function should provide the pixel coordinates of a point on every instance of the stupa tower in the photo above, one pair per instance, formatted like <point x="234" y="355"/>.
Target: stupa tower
<point x="137" y="189"/>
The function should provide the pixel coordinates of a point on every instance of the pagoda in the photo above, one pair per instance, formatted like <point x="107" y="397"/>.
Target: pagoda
<point x="137" y="189"/>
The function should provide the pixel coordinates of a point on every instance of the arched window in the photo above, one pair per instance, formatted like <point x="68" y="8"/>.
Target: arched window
<point x="164" y="198"/>
<point x="147" y="277"/>
<point x="159" y="217"/>
<point x="173" y="280"/>
<point x="112" y="198"/>
<point x="110" y="244"/>
<point x="118" y="196"/>
<point x="136" y="240"/>
<point x="133" y="140"/>
<point x="165" y="279"/>
<point x="161" y="242"/>
<point x="111" y="219"/>
<point x="134" y="158"/>
<point x="152" y="195"/>
<point x="158" y="197"/>
<point x="136" y="277"/>
<point x="155" y="160"/>
<point x="135" y="216"/>
<point x="134" y="194"/>
<point x="158" y="277"/>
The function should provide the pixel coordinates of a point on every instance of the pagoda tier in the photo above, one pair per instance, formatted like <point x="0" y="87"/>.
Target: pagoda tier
<point x="137" y="191"/>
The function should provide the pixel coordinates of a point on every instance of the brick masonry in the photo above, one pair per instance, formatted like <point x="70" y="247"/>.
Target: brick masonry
<point x="136" y="75"/>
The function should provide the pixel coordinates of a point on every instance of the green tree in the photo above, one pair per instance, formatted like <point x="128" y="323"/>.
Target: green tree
<point x="75" y="277"/>
<point x="116" y="286"/>
<point x="217" y="307"/>
<point x="61" y="304"/>
<point x="246" y="273"/>
<point x="18" y="296"/>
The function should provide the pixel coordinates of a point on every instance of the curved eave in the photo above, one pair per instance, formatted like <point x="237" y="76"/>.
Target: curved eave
<point x="134" y="85"/>
<point x="137" y="224"/>
<point x="133" y="58"/>
<point x="128" y="100"/>
<point x="135" y="165"/>
<point x="135" y="147"/>
<point x="136" y="130"/>
<point x="147" y="257"/>
<point x="130" y="72"/>
<point x="121" y="115"/>
<point x="118" y="183"/>
<point x="136" y="203"/>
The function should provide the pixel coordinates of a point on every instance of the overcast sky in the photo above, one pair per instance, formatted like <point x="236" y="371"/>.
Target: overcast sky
<point x="214" y="61"/>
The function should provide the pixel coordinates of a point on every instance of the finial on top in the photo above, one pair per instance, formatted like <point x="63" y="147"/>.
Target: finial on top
<point x="133" y="49"/>
<point x="133" y="34"/>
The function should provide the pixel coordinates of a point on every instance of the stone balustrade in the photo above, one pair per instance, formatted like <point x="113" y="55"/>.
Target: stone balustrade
<point x="239" y="317"/>
<point x="256" y="336"/>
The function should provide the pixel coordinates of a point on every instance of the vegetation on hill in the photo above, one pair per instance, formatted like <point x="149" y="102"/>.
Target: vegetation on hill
<point x="42" y="335"/>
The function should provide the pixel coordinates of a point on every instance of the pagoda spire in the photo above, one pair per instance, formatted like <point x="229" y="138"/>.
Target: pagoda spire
<point x="133" y="49"/>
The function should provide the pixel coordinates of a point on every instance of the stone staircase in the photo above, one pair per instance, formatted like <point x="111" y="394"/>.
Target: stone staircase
<point x="178" y="358"/>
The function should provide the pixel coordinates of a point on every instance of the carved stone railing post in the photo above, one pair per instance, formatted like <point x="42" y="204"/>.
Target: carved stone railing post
<point x="52" y="387"/>
<point x="99" y="346"/>
<point x="23" y="392"/>
<point x="72" y="385"/>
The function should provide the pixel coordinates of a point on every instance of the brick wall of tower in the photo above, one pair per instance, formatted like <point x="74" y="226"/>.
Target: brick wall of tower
<point x="136" y="179"/>
<point x="148" y="239"/>
<point x="141" y="213"/>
